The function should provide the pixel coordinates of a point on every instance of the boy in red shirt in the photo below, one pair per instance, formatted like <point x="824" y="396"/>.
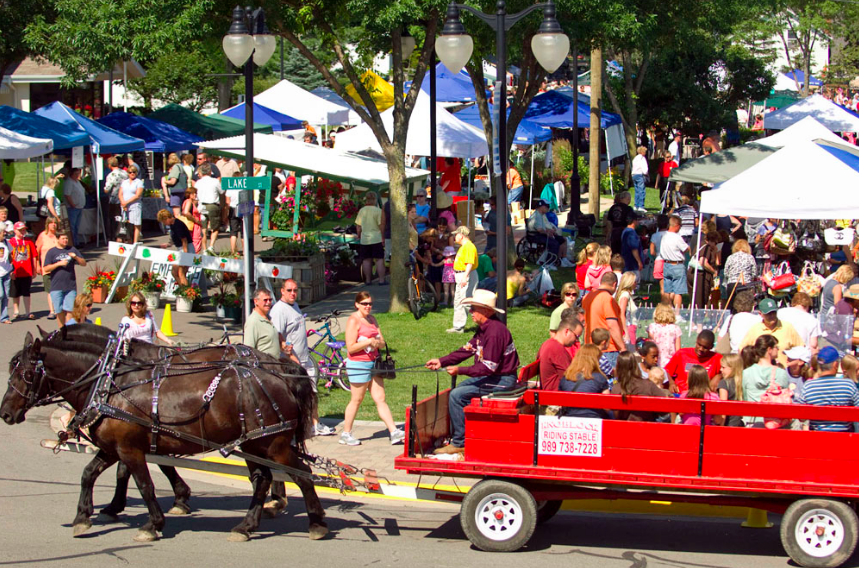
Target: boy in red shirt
<point x="25" y="263"/>
<point x="702" y="354"/>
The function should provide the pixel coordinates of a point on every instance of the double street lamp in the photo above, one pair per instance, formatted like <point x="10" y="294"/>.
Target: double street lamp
<point x="247" y="43"/>
<point x="550" y="47"/>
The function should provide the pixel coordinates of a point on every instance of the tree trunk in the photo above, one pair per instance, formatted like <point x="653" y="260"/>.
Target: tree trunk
<point x="399" y="229"/>
<point x="595" y="132"/>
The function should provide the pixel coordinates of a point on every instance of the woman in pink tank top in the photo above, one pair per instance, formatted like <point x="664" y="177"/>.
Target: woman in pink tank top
<point x="363" y="341"/>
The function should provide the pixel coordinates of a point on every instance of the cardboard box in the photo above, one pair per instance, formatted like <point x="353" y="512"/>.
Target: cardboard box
<point x="465" y="214"/>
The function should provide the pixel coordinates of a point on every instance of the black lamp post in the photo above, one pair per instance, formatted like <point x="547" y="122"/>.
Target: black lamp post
<point x="454" y="47"/>
<point x="248" y="36"/>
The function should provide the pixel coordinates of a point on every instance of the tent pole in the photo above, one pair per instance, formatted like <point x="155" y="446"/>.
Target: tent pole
<point x="695" y="278"/>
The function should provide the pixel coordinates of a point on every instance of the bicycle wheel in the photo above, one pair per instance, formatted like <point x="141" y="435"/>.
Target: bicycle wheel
<point x="428" y="297"/>
<point x="342" y="377"/>
<point x="414" y="299"/>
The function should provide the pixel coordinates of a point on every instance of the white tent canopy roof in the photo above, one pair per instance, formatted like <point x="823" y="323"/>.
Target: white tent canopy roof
<point x="826" y="112"/>
<point x="290" y="99"/>
<point x="454" y="138"/>
<point x="784" y="83"/>
<point x="311" y="159"/>
<point x="806" y="129"/>
<point x="14" y="146"/>
<point x="800" y="181"/>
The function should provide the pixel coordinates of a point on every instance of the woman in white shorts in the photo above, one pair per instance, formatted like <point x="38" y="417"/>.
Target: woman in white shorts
<point x="130" y="195"/>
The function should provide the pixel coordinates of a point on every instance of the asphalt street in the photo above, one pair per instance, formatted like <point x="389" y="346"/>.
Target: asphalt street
<point x="39" y="493"/>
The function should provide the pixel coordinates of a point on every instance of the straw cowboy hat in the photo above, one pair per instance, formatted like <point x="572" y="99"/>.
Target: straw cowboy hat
<point x="483" y="298"/>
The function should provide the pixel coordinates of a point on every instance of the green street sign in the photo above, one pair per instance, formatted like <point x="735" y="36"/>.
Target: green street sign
<point x="247" y="183"/>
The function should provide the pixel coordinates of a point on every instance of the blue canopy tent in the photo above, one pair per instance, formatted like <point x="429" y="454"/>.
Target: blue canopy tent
<point x="449" y="87"/>
<point x="527" y="134"/>
<point x="103" y="140"/>
<point x="30" y="124"/>
<point x="158" y="136"/>
<point x="799" y="77"/>
<point x="556" y="110"/>
<point x="264" y="115"/>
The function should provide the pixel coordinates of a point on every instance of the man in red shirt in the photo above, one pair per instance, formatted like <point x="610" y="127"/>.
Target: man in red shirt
<point x="602" y="311"/>
<point x="554" y="354"/>
<point x="702" y="354"/>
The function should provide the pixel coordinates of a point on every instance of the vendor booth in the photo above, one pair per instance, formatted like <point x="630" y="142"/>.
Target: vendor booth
<point x="264" y="115"/>
<point x="208" y="127"/>
<point x="14" y="146"/>
<point x="829" y="114"/>
<point x="290" y="99"/>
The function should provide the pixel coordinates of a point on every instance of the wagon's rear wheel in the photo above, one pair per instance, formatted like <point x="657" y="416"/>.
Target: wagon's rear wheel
<point x="498" y="516"/>
<point x="547" y="509"/>
<point x="819" y="533"/>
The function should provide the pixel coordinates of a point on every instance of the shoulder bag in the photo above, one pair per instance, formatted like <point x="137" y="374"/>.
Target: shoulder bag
<point x="781" y="278"/>
<point x="838" y="237"/>
<point x="776" y="395"/>
<point x="42" y="210"/>
<point x="384" y="365"/>
<point x="809" y="282"/>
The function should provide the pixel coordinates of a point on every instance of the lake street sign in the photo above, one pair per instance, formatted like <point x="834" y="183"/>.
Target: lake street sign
<point x="246" y="183"/>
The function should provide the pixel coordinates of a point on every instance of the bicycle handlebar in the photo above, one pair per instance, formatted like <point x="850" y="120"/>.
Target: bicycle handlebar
<point x="334" y="314"/>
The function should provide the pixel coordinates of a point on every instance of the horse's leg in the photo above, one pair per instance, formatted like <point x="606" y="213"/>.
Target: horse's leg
<point x="278" y="500"/>
<point x="117" y="504"/>
<point x="136" y="463"/>
<point x="315" y="513"/>
<point x="99" y="463"/>
<point x="181" y="491"/>
<point x="261" y="480"/>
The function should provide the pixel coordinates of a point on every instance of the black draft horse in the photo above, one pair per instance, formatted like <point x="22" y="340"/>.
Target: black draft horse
<point x="40" y="370"/>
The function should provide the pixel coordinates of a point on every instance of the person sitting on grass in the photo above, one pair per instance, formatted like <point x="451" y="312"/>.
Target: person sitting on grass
<point x="181" y="237"/>
<point x="517" y="284"/>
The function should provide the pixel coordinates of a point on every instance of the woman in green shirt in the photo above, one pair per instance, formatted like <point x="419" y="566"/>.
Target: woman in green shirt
<point x="758" y="377"/>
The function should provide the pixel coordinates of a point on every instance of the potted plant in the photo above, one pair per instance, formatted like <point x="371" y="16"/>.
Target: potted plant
<point x="233" y="307"/>
<point x="186" y="295"/>
<point x="217" y="299"/>
<point x="150" y="285"/>
<point x="98" y="283"/>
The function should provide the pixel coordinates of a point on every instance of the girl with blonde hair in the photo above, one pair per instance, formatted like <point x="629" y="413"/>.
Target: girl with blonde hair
<point x="584" y="261"/>
<point x="601" y="265"/>
<point x="833" y="288"/>
<point x="81" y="309"/>
<point x="584" y="376"/>
<point x="625" y="288"/>
<point x="731" y="385"/>
<point x="664" y="333"/>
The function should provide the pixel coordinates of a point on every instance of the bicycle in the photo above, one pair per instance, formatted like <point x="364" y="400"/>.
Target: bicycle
<point x="329" y="362"/>
<point x="421" y="298"/>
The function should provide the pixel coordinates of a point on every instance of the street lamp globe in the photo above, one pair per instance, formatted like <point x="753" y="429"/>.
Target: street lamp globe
<point x="264" y="46"/>
<point x="454" y="51"/>
<point x="238" y="44"/>
<point x="550" y="50"/>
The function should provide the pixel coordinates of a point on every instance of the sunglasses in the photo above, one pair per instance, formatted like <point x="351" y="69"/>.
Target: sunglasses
<point x="266" y="300"/>
<point x="570" y="295"/>
<point x="135" y="303"/>
<point x="89" y="305"/>
<point x="291" y="290"/>
<point x="365" y="303"/>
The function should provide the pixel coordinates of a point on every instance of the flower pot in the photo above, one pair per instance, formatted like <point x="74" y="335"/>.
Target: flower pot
<point x="184" y="305"/>
<point x="99" y="295"/>
<point x="153" y="300"/>
<point x="220" y="312"/>
<point x="121" y="294"/>
<point x="234" y="313"/>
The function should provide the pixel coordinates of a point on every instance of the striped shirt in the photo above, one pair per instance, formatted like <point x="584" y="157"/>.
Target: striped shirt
<point x="830" y="391"/>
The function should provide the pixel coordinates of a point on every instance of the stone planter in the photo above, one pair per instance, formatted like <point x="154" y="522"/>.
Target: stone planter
<point x="153" y="300"/>
<point x="184" y="305"/>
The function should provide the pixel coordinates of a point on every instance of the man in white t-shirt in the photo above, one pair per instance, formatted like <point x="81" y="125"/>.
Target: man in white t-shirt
<point x="236" y="224"/>
<point x="289" y="321"/>
<point x="805" y="324"/>
<point x="674" y="148"/>
<point x="738" y="324"/>
<point x="209" y="194"/>
<point x="672" y="251"/>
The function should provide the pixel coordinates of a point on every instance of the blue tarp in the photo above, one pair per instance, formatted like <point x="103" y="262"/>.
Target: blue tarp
<point x="104" y="140"/>
<point x="799" y="76"/>
<point x="556" y="110"/>
<point x="265" y="115"/>
<point x="528" y="133"/>
<point x="30" y="124"/>
<point x="159" y="136"/>
<point x="449" y="88"/>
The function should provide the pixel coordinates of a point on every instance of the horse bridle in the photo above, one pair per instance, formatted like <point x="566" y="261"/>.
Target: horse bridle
<point x="34" y="384"/>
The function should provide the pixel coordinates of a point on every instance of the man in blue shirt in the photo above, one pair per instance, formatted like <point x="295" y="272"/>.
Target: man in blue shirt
<point x="422" y="209"/>
<point x="829" y="390"/>
<point x="630" y="248"/>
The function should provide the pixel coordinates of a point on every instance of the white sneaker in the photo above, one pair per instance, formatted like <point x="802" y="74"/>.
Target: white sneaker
<point x="397" y="437"/>
<point x="455" y="330"/>
<point x="347" y="439"/>
<point x="323" y="430"/>
<point x="566" y="263"/>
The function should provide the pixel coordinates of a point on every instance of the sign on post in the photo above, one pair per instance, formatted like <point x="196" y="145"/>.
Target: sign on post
<point x="246" y="183"/>
<point x="78" y="157"/>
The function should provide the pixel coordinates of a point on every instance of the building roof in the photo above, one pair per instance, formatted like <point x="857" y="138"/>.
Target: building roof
<point x="39" y="70"/>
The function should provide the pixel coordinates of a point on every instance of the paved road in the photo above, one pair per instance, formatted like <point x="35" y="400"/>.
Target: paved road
<point x="38" y="492"/>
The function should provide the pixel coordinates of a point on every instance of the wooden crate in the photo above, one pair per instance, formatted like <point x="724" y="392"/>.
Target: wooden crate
<point x="309" y="274"/>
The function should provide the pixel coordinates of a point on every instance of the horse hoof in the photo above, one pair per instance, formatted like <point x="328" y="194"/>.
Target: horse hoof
<point x="81" y="528"/>
<point x="108" y="517"/>
<point x="145" y="536"/>
<point x="318" y="532"/>
<point x="272" y="509"/>
<point x="238" y="537"/>
<point x="176" y="510"/>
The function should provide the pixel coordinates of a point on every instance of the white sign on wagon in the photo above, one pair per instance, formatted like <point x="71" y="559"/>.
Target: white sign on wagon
<point x="570" y="436"/>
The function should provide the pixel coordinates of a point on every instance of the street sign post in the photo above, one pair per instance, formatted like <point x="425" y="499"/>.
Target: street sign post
<point x="246" y="183"/>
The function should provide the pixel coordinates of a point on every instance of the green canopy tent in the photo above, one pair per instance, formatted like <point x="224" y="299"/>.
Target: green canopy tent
<point x="258" y="128"/>
<point x="195" y="123"/>
<point x="721" y="166"/>
<point x="779" y="99"/>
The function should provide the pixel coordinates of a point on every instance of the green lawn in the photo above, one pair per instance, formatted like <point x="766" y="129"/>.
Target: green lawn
<point x="414" y="342"/>
<point x="21" y="176"/>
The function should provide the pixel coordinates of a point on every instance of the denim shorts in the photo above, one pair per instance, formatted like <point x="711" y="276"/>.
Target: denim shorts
<point x="675" y="278"/>
<point x="63" y="300"/>
<point x="359" y="371"/>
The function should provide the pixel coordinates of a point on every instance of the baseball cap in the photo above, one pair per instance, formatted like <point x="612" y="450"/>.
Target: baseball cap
<point x="19" y="226"/>
<point x="828" y="355"/>
<point x="542" y="203"/>
<point x="767" y="306"/>
<point x="799" y="353"/>
<point x="462" y="231"/>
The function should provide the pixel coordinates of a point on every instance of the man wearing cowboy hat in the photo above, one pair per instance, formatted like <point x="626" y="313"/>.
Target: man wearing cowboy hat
<point x="494" y="368"/>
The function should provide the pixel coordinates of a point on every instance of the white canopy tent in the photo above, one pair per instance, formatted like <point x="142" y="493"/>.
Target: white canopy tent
<point x="784" y="83"/>
<point x="454" y="138"/>
<point x="829" y="114"/>
<point x="800" y="181"/>
<point x="290" y="99"/>
<point x="15" y="146"/>
<point x="278" y="151"/>
<point x="809" y="128"/>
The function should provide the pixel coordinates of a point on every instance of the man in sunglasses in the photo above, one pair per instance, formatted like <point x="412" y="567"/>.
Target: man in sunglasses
<point x="289" y="321"/>
<point x="259" y="331"/>
<point x="494" y="368"/>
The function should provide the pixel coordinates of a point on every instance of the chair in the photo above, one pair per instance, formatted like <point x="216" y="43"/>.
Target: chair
<point x="530" y="248"/>
<point x="529" y="371"/>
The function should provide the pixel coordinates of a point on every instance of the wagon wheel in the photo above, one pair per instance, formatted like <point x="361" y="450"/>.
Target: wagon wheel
<point x="819" y="533"/>
<point x="498" y="516"/>
<point x="547" y="509"/>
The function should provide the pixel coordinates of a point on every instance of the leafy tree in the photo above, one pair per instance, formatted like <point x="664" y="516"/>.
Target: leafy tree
<point x="15" y="17"/>
<point x="802" y="25"/>
<point x="295" y="67"/>
<point x="182" y="77"/>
